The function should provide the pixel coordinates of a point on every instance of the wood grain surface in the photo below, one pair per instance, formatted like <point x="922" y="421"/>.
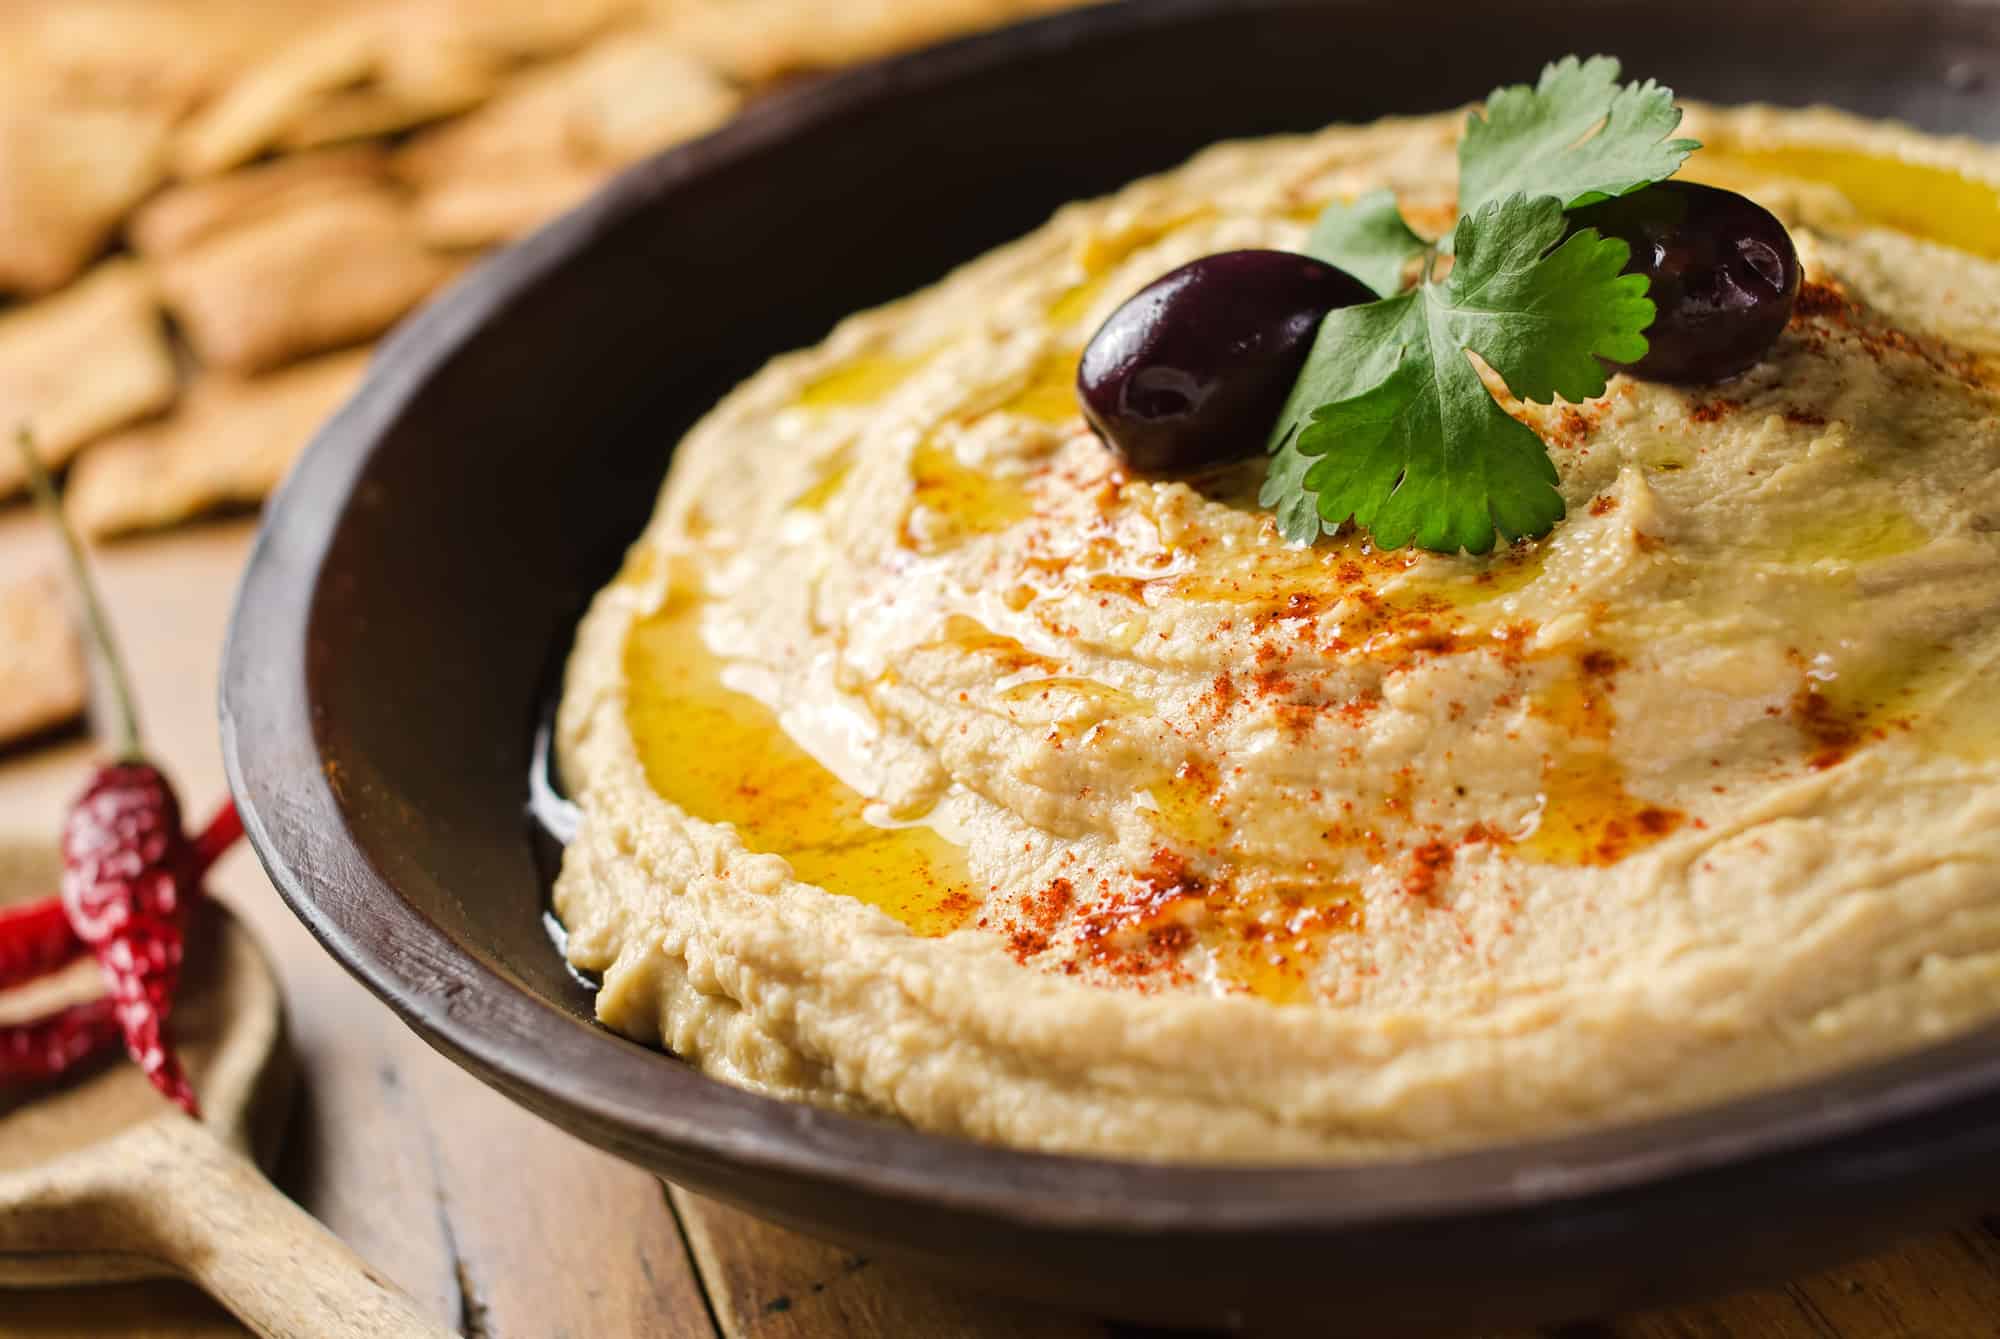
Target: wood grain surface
<point x="502" y="1226"/>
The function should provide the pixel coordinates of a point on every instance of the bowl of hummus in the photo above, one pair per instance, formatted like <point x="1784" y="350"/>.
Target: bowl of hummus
<point x="1010" y="838"/>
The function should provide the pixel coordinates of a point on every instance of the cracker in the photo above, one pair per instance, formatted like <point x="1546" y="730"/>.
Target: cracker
<point x="477" y="211"/>
<point x="169" y="55"/>
<point x="360" y="114"/>
<point x="44" y="679"/>
<point x="68" y="173"/>
<point x="516" y="30"/>
<point x="229" y="444"/>
<point x="421" y="74"/>
<point x="381" y="70"/>
<point x="325" y="273"/>
<point x="431" y="84"/>
<point x="253" y="111"/>
<point x="558" y="127"/>
<point x="82" y="363"/>
<point x="761" y="41"/>
<point x="182" y="216"/>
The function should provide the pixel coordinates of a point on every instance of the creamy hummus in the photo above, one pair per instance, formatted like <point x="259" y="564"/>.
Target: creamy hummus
<point x="931" y="767"/>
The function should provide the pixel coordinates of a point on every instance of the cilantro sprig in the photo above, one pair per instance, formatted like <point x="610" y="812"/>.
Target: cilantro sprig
<point x="1578" y="135"/>
<point x="1390" y="424"/>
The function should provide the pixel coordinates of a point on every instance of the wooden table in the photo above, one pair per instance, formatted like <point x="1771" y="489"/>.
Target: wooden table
<point x="507" y="1227"/>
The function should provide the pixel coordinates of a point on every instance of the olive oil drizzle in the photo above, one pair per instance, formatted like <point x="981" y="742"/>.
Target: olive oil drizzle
<point x="1936" y="204"/>
<point x="724" y="757"/>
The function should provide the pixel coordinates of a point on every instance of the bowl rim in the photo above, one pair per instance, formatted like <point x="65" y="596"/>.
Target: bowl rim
<point x="653" y="1109"/>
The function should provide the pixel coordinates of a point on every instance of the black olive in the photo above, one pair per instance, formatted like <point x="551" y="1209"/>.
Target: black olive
<point x="1193" y="368"/>
<point x="1724" y="276"/>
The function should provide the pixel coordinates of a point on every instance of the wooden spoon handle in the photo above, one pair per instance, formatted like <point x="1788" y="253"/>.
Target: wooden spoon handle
<point x="217" y="1219"/>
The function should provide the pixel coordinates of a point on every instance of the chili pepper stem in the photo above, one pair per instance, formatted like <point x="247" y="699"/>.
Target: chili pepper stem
<point x="120" y="684"/>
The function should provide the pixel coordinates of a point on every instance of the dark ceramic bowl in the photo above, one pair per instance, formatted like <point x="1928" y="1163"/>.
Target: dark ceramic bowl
<point x="422" y="570"/>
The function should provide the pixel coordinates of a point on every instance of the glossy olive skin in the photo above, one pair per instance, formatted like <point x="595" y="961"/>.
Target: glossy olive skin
<point x="1724" y="277"/>
<point x="1194" y="367"/>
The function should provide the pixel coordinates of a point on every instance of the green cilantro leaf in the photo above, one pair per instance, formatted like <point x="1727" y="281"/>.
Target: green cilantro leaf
<point x="1542" y="315"/>
<point x="1390" y="424"/>
<point x="1295" y="506"/>
<point x="1578" y="135"/>
<point x="1367" y="238"/>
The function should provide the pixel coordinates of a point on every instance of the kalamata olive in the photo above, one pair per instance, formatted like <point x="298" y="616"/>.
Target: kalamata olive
<point x="1723" y="270"/>
<point x="1194" y="367"/>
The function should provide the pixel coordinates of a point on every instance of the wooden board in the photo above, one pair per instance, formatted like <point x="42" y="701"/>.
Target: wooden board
<point x="505" y="1227"/>
<point x="765" y="1281"/>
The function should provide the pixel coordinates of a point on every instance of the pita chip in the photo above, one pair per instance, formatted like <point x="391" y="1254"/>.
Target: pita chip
<point x="517" y="30"/>
<point x="624" y="98"/>
<point x="326" y="273"/>
<point x="44" y="679"/>
<point x="68" y="174"/>
<point x="379" y="71"/>
<point x="761" y="41"/>
<point x="82" y="363"/>
<point x="250" y="115"/>
<point x="185" y="215"/>
<point x="421" y="75"/>
<point x="229" y="444"/>
<point x="392" y="105"/>
<point x="165" y="54"/>
<point x="477" y="211"/>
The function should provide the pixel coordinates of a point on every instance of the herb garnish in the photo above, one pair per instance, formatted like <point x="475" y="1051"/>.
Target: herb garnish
<point x="1389" y="424"/>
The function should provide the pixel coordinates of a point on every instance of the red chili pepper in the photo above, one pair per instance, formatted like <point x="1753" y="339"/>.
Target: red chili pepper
<point x="47" y="1047"/>
<point x="128" y="875"/>
<point x="224" y="830"/>
<point x="128" y="868"/>
<point x="35" y="939"/>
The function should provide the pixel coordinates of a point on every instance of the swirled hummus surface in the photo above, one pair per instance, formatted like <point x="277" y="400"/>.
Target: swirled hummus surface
<point x="931" y="766"/>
